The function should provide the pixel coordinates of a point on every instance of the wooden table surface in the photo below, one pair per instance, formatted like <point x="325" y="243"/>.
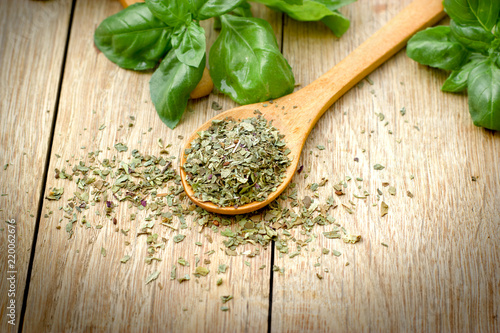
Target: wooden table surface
<point x="439" y="272"/>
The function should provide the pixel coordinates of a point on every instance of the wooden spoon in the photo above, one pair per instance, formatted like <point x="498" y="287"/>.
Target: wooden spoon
<point x="307" y="105"/>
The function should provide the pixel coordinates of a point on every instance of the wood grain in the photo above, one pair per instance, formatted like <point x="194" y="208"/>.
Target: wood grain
<point x="440" y="270"/>
<point x="73" y="287"/>
<point x="32" y="43"/>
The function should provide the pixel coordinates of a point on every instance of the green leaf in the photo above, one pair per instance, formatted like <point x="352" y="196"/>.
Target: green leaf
<point x="457" y="81"/>
<point x="244" y="10"/>
<point x="484" y="95"/>
<point x="334" y="4"/>
<point x="496" y="59"/>
<point x="212" y="8"/>
<point x="172" y="12"/>
<point x="435" y="48"/>
<point x="482" y="13"/>
<point x="472" y="37"/>
<point x="189" y="43"/>
<point x="337" y="23"/>
<point x="246" y="63"/>
<point x="170" y="86"/>
<point x="319" y="10"/>
<point x="133" y="38"/>
<point x="496" y="28"/>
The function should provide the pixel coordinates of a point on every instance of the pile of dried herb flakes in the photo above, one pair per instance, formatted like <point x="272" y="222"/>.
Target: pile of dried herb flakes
<point x="234" y="163"/>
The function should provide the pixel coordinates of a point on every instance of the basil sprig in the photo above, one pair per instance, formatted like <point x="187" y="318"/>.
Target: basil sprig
<point x="470" y="49"/>
<point x="245" y="60"/>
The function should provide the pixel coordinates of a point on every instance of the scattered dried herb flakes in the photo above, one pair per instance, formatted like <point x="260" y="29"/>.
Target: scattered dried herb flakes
<point x="173" y="273"/>
<point x="55" y="193"/>
<point x="321" y="147"/>
<point x="349" y="238"/>
<point x="153" y="276"/>
<point x="226" y="299"/>
<point x="219" y="281"/>
<point x="179" y="238"/>
<point x="332" y="234"/>
<point x="111" y="183"/>
<point x="184" y="278"/>
<point x="378" y="167"/>
<point x="224" y="308"/>
<point x="181" y="261"/>
<point x="392" y="190"/>
<point x="216" y="106"/>
<point x="235" y="163"/>
<point x="121" y="147"/>
<point x="384" y="209"/>
<point x="222" y="268"/>
<point x="203" y="271"/>
<point x="125" y="259"/>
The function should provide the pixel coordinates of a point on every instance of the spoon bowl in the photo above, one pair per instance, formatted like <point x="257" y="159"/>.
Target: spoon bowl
<point x="296" y="114"/>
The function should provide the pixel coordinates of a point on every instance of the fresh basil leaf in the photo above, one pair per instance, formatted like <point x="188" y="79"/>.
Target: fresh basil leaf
<point x="457" y="81"/>
<point x="337" y="23"/>
<point x="244" y="10"/>
<point x="434" y="47"/>
<point x="133" y="38"/>
<point x="195" y="5"/>
<point x="484" y="95"/>
<point x="334" y="4"/>
<point x="312" y="11"/>
<point x="474" y="38"/>
<point x="172" y="12"/>
<point x="189" y="44"/>
<point x="496" y="59"/>
<point x="212" y="8"/>
<point x="170" y="86"/>
<point x="474" y="12"/>
<point x="246" y="63"/>
<point x="496" y="28"/>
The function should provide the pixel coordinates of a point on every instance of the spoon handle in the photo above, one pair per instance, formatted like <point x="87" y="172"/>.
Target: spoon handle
<point x="318" y="96"/>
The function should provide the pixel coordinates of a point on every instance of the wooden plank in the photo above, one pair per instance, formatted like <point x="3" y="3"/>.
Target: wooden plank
<point x="73" y="286"/>
<point x="440" y="270"/>
<point x="32" y="43"/>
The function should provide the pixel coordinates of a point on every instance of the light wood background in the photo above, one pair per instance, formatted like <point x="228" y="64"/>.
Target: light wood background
<point x="440" y="271"/>
<point x="33" y="37"/>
